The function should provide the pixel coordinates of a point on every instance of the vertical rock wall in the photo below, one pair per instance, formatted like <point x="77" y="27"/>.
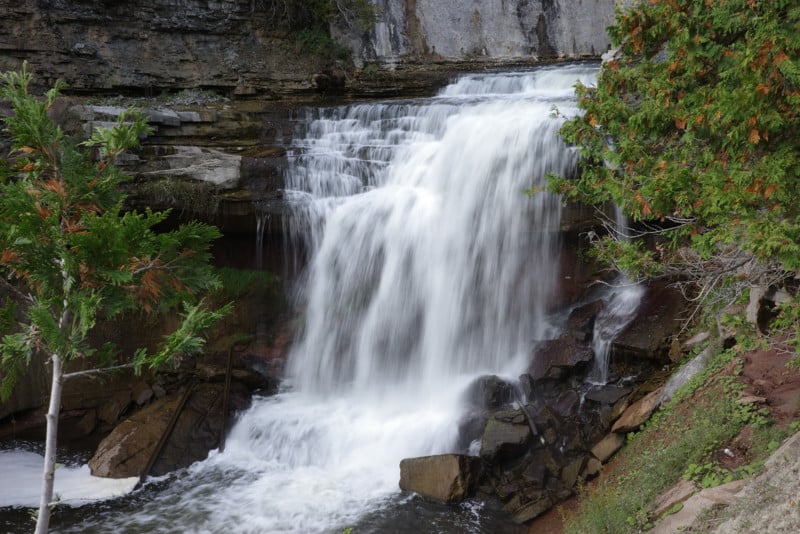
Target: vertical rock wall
<point x="236" y="46"/>
<point x="488" y="29"/>
<point x="245" y="48"/>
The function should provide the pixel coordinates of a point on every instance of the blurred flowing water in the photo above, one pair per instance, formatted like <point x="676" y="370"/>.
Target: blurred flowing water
<point x="429" y="266"/>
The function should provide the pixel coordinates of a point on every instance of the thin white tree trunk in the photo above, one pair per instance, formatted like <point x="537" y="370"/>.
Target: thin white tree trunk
<point x="48" y="477"/>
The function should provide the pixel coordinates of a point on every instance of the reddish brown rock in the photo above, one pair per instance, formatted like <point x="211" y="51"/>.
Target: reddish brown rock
<point x="638" y="413"/>
<point x="446" y="478"/>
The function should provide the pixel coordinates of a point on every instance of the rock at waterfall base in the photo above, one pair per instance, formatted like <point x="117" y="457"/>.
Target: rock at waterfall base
<point x="446" y="478"/>
<point x="638" y="413"/>
<point x="505" y="440"/>
<point x="608" y="446"/>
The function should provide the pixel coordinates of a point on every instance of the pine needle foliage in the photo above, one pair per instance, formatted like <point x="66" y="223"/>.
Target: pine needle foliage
<point x="63" y="235"/>
<point x="692" y="129"/>
<point x="78" y="257"/>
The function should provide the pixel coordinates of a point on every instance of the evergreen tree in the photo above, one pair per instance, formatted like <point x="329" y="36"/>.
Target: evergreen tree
<point x="692" y="131"/>
<point x="78" y="257"/>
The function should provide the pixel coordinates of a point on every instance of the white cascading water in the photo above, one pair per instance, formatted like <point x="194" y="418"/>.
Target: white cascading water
<point x="429" y="267"/>
<point x="620" y="306"/>
<point x="430" y="261"/>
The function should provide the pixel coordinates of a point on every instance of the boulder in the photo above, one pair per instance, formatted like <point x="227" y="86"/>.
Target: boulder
<point x="580" y="323"/>
<point x="532" y="509"/>
<point x="608" y="446"/>
<point x="535" y="473"/>
<point x="567" y="404"/>
<point x="592" y="468"/>
<point x="489" y="392"/>
<point x="570" y="472"/>
<point x="677" y="380"/>
<point x="638" y="413"/>
<point x="606" y="394"/>
<point x="695" y="340"/>
<point x="554" y="357"/>
<point x="446" y="478"/>
<point x="126" y="451"/>
<point x="699" y="503"/>
<point x="678" y="493"/>
<point x="657" y="320"/>
<point x="504" y="440"/>
<point x="141" y="393"/>
<point x="115" y="406"/>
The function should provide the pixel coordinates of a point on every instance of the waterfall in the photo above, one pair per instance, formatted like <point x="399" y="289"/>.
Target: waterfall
<point x="429" y="260"/>
<point x="619" y="309"/>
<point x="429" y="267"/>
<point x="262" y="221"/>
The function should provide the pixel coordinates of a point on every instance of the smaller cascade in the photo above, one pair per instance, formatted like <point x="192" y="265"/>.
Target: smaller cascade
<point x="262" y="220"/>
<point x="618" y="311"/>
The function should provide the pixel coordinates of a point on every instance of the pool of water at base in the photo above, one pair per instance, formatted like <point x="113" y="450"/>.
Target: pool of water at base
<point x="401" y="515"/>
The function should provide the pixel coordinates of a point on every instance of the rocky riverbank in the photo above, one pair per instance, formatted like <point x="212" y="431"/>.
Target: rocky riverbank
<point x="539" y="436"/>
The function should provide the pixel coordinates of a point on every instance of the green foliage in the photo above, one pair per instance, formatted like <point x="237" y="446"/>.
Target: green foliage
<point x="321" y="13"/>
<point x="678" y="442"/>
<point x="310" y="22"/>
<point x="788" y="323"/>
<point x="236" y="283"/>
<point x="692" y="125"/>
<point x="63" y="235"/>
<point x="318" y="42"/>
<point x="708" y="474"/>
<point x="186" y="339"/>
<point x="626" y="256"/>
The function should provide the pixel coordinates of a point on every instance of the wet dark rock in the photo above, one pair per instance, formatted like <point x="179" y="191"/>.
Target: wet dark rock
<point x="556" y="357"/>
<point x="657" y="320"/>
<point x="126" y="451"/>
<point x="567" y="403"/>
<point x="607" y="394"/>
<point x="572" y="439"/>
<point x="489" y="392"/>
<point x="503" y="440"/>
<point x="535" y="474"/>
<point x="31" y="389"/>
<point x="580" y="323"/>
<point x="446" y="478"/>
<point x="532" y="509"/>
<point x="470" y="429"/>
<point x="567" y="354"/>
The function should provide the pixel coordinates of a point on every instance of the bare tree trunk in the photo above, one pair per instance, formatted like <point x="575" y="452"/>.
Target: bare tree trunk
<point x="48" y="477"/>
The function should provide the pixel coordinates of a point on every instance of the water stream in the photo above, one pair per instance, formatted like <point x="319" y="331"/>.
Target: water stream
<point x="429" y="267"/>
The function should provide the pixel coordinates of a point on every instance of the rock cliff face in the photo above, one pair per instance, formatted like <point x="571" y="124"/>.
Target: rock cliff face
<point x="493" y="29"/>
<point x="99" y="45"/>
<point x="244" y="47"/>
